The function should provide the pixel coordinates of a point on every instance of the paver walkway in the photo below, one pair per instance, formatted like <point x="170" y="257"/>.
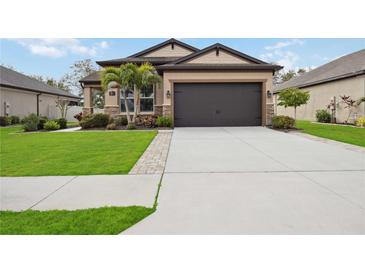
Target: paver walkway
<point x="154" y="158"/>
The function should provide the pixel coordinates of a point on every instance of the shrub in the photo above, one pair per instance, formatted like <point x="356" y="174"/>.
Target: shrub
<point x="62" y="122"/>
<point x="31" y="122"/>
<point x="51" y="125"/>
<point x="14" y="119"/>
<point x="164" y="121"/>
<point x="121" y="121"/>
<point x="5" y="121"/>
<point x="78" y="116"/>
<point x="282" y="122"/>
<point x="131" y="126"/>
<point x="111" y="126"/>
<point x="323" y="116"/>
<point x="42" y="121"/>
<point x="95" y="120"/>
<point x="148" y="121"/>
<point x="360" y="122"/>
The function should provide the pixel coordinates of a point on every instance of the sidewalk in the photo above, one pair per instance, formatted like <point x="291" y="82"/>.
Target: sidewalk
<point x="77" y="192"/>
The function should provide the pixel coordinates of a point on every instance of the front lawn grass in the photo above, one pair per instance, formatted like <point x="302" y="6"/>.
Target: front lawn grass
<point x="95" y="221"/>
<point x="70" y="153"/>
<point x="346" y="134"/>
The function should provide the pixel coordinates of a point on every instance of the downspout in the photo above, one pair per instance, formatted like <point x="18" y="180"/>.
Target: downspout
<point x="38" y="103"/>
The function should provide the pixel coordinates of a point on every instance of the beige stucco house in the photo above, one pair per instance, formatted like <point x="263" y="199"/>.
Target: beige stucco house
<point x="21" y="95"/>
<point x="343" y="76"/>
<point x="214" y="86"/>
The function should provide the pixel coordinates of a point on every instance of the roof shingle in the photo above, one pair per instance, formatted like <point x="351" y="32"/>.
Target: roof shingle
<point x="347" y="66"/>
<point x="13" y="79"/>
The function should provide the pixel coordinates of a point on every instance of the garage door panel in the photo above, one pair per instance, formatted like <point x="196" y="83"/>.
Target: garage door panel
<point x="217" y="104"/>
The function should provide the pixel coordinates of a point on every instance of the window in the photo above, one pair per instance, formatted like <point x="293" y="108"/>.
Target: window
<point x="146" y="100"/>
<point x="130" y="101"/>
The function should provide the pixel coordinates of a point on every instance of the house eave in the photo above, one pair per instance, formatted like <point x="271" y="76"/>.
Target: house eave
<point x="324" y="81"/>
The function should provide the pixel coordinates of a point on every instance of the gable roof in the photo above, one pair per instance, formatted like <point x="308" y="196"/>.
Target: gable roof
<point x="12" y="79"/>
<point x="137" y="60"/>
<point x="161" y="45"/>
<point x="218" y="46"/>
<point x="344" y="67"/>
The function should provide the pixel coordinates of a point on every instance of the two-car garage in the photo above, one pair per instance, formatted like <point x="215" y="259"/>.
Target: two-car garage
<point x="217" y="104"/>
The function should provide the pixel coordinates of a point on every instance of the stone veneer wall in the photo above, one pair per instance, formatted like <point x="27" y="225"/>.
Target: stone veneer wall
<point x="166" y="110"/>
<point x="111" y="110"/>
<point x="269" y="113"/>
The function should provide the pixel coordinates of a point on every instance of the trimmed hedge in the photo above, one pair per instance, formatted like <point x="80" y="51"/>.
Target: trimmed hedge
<point x="15" y="119"/>
<point x="164" y="121"/>
<point x="51" y="125"/>
<point x="31" y="122"/>
<point x="323" y="116"/>
<point x="282" y="122"/>
<point x="360" y="122"/>
<point x="97" y="120"/>
<point x="5" y="121"/>
<point x="62" y="122"/>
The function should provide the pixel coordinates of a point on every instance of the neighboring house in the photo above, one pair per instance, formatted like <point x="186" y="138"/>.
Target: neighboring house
<point x="214" y="86"/>
<point x="343" y="76"/>
<point x="21" y="95"/>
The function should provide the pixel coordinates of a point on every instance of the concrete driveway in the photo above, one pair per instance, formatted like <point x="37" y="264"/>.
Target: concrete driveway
<point x="254" y="180"/>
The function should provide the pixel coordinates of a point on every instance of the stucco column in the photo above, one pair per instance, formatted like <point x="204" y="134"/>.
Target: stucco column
<point x="112" y="99"/>
<point x="88" y="101"/>
<point x="167" y="97"/>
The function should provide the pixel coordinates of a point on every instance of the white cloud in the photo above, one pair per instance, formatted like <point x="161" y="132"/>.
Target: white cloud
<point x="103" y="44"/>
<point x="278" y="53"/>
<point x="60" y="47"/>
<point x="285" y="44"/>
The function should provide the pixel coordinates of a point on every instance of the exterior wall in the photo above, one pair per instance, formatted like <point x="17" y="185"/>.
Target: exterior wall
<point x="223" y="58"/>
<point x="167" y="51"/>
<point x="23" y="103"/>
<point x="320" y="96"/>
<point x="169" y="78"/>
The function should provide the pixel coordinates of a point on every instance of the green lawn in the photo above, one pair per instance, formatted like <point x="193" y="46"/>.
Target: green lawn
<point x="105" y="220"/>
<point x="346" y="134"/>
<point x="70" y="153"/>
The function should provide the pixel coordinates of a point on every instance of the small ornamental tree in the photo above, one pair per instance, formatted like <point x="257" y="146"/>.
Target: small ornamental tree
<point x="293" y="97"/>
<point x="350" y="104"/>
<point x="63" y="105"/>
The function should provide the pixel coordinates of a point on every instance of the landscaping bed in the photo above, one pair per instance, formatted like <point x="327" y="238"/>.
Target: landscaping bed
<point x="95" y="221"/>
<point x="73" y="153"/>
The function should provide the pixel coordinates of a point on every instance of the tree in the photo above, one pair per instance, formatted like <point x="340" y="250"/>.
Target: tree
<point x="287" y="75"/>
<point x="51" y="82"/>
<point x="301" y="71"/>
<point x="349" y="104"/>
<point x="79" y="70"/>
<point x="130" y="77"/>
<point x="63" y="105"/>
<point x="293" y="97"/>
<point x="98" y="99"/>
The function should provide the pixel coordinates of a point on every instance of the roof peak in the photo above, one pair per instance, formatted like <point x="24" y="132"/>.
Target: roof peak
<point x="220" y="46"/>
<point x="160" y="45"/>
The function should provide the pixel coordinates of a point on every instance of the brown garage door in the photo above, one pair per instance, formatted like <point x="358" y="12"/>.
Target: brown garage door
<point x="217" y="104"/>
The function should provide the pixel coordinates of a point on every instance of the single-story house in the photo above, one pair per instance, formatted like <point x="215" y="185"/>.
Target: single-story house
<point x="343" y="76"/>
<point x="214" y="86"/>
<point x="22" y="95"/>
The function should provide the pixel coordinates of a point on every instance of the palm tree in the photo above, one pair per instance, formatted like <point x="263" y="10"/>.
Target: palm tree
<point x="130" y="77"/>
<point x="145" y="76"/>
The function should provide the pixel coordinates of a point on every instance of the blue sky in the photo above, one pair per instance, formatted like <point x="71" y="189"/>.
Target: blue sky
<point x="52" y="57"/>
